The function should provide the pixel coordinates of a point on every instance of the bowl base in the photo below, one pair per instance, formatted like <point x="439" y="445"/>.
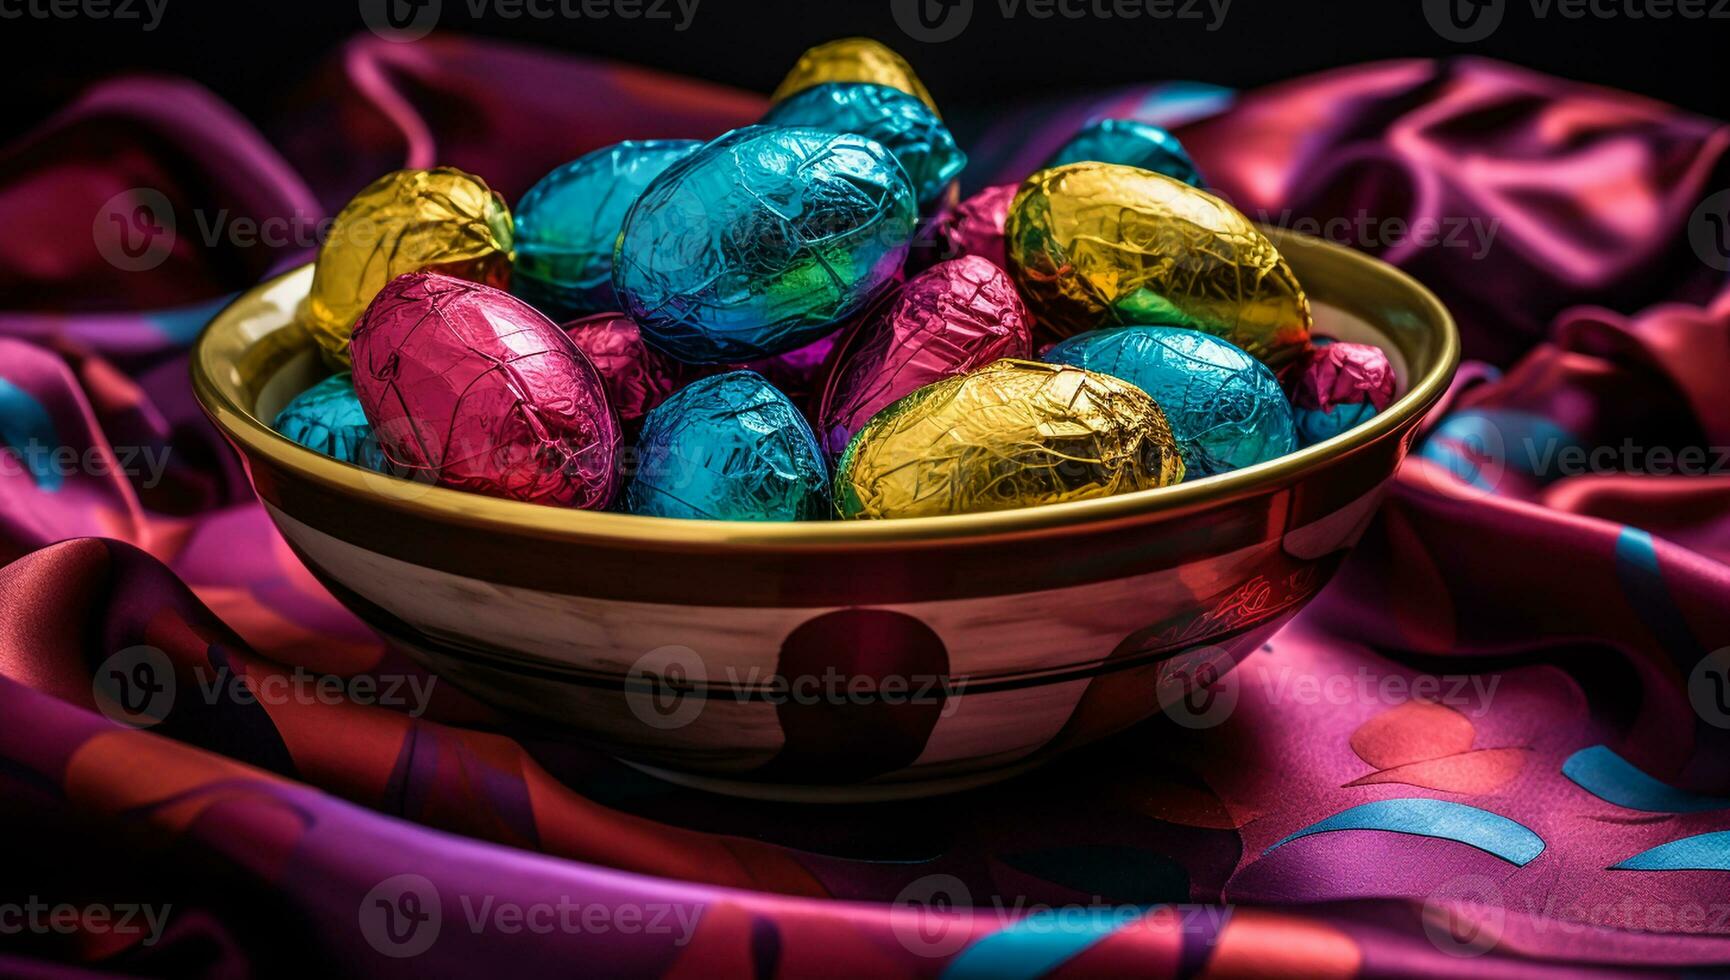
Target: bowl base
<point x="850" y="793"/>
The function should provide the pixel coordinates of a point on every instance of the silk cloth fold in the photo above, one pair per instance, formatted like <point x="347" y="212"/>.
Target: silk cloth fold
<point x="1476" y="750"/>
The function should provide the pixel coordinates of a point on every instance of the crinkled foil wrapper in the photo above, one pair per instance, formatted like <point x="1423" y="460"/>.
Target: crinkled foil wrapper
<point x="1012" y="434"/>
<point x="1132" y="144"/>
<point x="903" y="124"/>
<point x="473" y="388"/>
<point x="799" y="372"/>
<point x="1339" y="386"/>
<point x="975" y="226"/>
<point x="730" y="448"/>
<point x="638" y="377"/>
<point x="762" y="242"/>
<point x="441" y="219"/>
<point x="1226" y="408"/>
<point x="568" y="223"/>
<point x="852" y="59"/>
<point x="1095" y="245"/>
<point x="327" y="418"/>
<point x="950" y="319"/>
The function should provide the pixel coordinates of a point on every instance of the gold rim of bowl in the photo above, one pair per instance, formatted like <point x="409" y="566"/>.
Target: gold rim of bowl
<point x="219" y="388"/>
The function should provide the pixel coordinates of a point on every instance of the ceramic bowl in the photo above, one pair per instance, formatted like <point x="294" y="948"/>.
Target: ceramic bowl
<point x="839" y="660"/>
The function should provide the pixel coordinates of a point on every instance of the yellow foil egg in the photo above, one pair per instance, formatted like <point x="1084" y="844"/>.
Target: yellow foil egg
<point x="1012" y="434"/>
<point x="1097" y="245"/>
<point x="442" y="220"/>
<point x="852" y="59"/>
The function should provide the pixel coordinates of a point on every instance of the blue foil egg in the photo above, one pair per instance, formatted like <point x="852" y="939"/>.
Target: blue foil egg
<point x="1226" y="408"/>
<point x="568" y="223"/>
<point x="327" y="418"/>
<point x="763" y="241"/>
<point x="729" y="447"/>
<point x="1132" y="144"/>
<point x="904" y="125"/>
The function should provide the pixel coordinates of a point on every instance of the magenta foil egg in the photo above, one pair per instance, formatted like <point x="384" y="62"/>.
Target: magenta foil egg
<point x="952" y="318"/>
<point x="638" y="377"/>
<point x="975" y="226"/>
<point x="473" y="388"/>
<point x="798" y="373"/>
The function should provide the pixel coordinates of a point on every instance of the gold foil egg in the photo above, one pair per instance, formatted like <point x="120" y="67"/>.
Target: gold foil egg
<point x="1098" y="245"/>
<point x="852" y="59"/>
<point x="1012" y="434"/>
<point x="443" y="220"/>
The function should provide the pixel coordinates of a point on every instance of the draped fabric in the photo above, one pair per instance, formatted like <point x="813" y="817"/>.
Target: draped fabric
<point x="1496" y="743"/>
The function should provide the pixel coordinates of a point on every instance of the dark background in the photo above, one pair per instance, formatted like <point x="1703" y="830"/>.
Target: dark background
<point x="252" y="52"/>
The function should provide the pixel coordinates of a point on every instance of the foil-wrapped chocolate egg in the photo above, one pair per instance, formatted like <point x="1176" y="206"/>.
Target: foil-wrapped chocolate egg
<point x="1012" y="434"/>
<point x="950" y="319"/>
<point x="904" y="125"/>
<point x="852" y="59"/>
<point x="327" y="418"/>
<point x="442" y="219"/>
<point x="638" y="377"/>
<point x="729" y="447"/>
<point x="1338" y="386"/>
<point x="1098" y="244"/>
<point x="475" y="389"/>
<point x="1132" y="144"/>
<point x="798" y="373"/>
<point x="1225" y="408"/>
<point x="763" y="241"/>
<point x="975" y="226"/>
<point x="568" y="223"/>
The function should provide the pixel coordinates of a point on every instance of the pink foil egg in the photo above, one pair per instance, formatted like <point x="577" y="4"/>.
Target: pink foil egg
<point x="474" y="388"/>
<point x="798" y="373"/>
<point x="975" y="226"/>
<point x="950" y="319"/>
<point x="1343" y="374"/>
<point x="638" y="377"/>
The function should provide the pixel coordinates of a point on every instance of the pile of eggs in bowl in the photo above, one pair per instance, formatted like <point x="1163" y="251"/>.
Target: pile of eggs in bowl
<point x="742" y="329"/>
